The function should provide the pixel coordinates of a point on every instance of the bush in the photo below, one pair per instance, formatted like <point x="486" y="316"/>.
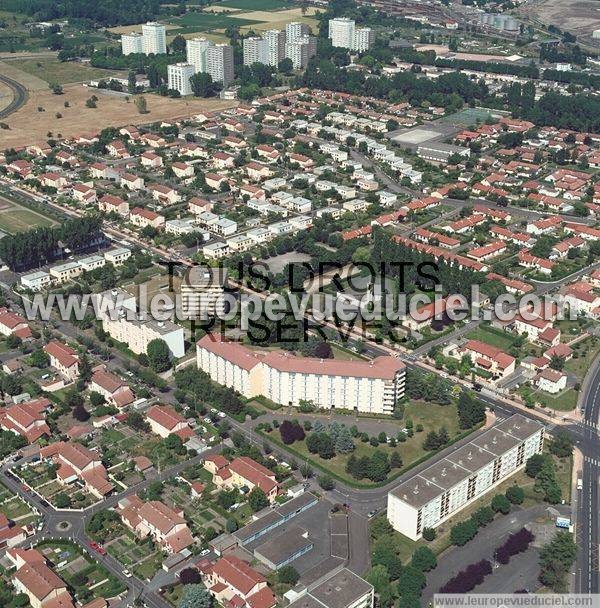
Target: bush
<point x="288" y="575"/>
<point x="429" y="534"/>
<point x="501" y="504"/>
<point x="515" y="495"/>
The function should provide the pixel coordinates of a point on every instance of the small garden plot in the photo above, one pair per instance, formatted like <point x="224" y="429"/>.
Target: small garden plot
<point x="88" y="579"/>
<point x="149" y="567"/>
<point x="18" y="511"/>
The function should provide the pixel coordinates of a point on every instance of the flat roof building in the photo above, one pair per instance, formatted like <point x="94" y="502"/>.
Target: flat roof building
<point x="284" y="548"/>
<point x="437" y="493"/>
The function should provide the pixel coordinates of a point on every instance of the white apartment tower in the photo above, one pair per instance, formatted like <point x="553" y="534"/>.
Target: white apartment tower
<point x="341" y="32"/>
<point x="132" y="43"/>
<point x="196" y="52"/>
<point x="256" y="50"/>
<point x="344" y="34"/>
<point x="275" y="40"/>
<point x="219" y="63"/>
<point x="296" y="30"/>
<point x="155" y="38"/>
<point x="363" y="39"/>
<point x="301" y="50"/>
<point x="441" y="490"/>
<point x="179" y="75"/>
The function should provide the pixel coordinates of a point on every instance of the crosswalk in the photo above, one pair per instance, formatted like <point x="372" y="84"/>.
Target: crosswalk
<point x="593" y="461"/>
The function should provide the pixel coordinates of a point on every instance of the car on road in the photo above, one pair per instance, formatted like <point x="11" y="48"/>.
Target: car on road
<point x="204" y="552"/>
<point x="372" y="513"/>
<point x="221" y="414"/>
<point x="126" y="573"/>
<point x="96" y="547"/>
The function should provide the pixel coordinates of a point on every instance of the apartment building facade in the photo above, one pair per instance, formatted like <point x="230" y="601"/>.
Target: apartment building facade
<point x="373" y="386"/>
<point x="440" y="491"/>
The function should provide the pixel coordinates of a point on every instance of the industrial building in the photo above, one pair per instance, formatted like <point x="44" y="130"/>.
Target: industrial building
<point x="284" y="548"/>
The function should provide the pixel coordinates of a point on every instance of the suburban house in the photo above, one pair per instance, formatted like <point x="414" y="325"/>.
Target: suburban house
<point x="165" y="421"/>
<point x="10" y="534"/>
<point x="242" y="472"/>
<point x="113" y="204"/>
<point x="27" y="419"/>
<point x="234" y="583"/>
<point x="63" y="359"/>
<point x="551" y="380"/>
<point x="112" y="388"/>
<point x="76" y="462"/>
<point x="489" y="358"/>
<point x="144" y="217"/>
<point x="153" y="518"/>
<point x="13" y="324"/>
<point x="33" y="577"/>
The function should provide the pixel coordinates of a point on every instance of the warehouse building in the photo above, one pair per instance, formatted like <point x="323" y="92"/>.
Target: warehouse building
<point x="440" y="491"/>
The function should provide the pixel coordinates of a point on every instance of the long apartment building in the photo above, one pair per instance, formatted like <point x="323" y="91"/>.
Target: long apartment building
<point x="364" y="386"/>
<point x="440" y="491"/>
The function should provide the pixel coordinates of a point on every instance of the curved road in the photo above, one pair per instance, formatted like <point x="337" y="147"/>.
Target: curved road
<point x="19" y="96"/>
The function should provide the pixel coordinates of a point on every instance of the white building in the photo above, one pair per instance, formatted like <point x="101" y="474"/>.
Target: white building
<point x="123" y="323"/>
<point x="296" y="30"/>
<point x="179" y="75"/>
<point x="36" y="280"/>
<point x="440" y="491"/>
<point x="344" y="34"/>
<point x="155" y="38"/>
<point x="203" y="292"/>
<point x="301" y="50"/>
<point x="219" y="63"/>
<point x="275" y="40"/>
<point x="196" y="52"/>
<point x="256" y="50"/>
<point x="132" y="43"/>
<point x="363" y="386"/>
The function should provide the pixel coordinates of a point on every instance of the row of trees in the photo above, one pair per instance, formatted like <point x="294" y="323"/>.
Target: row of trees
<point x="41" y="245"/>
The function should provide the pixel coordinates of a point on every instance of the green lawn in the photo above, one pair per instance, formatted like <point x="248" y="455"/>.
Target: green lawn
<point x="584" y="353"/>
<point x="430" y="416"/>
<point x="565" y="401"/>
<point x="499" y="339"/>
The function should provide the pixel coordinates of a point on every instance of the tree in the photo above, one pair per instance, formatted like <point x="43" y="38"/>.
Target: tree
<point x="562" y="444"/>
<point x="202" y="84"/>
<point x="379" y="577"/>
<point x="141" y="104"/>
<point x="515" y="495"/>
<point x="501" y="504"/>
<point x="396" y="460"/>
<point x="288" y="575"/>
<point x="290" y="432"/>
<point x="195" y="596"/>
<point x="423" y="559"/>
<point x="62" y="501"/>
<point x="343" y="442"/>
<point x="85" y="368"/>
<point x="96" y="399"/>
<point x="534" y="464"/>
<point x="285" y="66"/>
<point x="39" y="358"/>
<point x="158" y="354"/>
<point x="178" y="45"/>
<point x="471" y="411"/>
<point x="80" y="413"/>
<point x="13" y="341"/>
<point x="231" y="525"/>
<point x="411" y="581"/>
<point x="556" y="559"/>
<point x="190" y="576"/>
<point x="131" y="83"/>
<point x="326" y="482"/>
<point x="257" y="499"/>
<point x="326" y="447"/>
<point x="463" y="532"/>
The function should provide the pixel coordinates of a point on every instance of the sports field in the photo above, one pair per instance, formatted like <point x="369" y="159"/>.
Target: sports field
<point x="256" y="5"/>
<point x="14" y="218"/>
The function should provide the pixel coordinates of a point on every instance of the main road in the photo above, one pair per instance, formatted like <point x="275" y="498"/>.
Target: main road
<point x="19" y="96"/>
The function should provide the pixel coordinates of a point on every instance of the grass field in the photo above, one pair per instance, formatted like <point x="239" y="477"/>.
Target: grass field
<point x="491" y="337"/>
<point x="29" y="125"/>
<point x="60" y="72"/>
<point x="430" y="416"/>
<point x="255" y="5"/>
<point x="198" y="22"/>
<point x="14" y="218"/>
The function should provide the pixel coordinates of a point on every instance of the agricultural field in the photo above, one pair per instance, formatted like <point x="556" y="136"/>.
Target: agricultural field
<point x="32" y="123"/>
<point x="14" y="218"/>
<point x="60" y="72"/>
